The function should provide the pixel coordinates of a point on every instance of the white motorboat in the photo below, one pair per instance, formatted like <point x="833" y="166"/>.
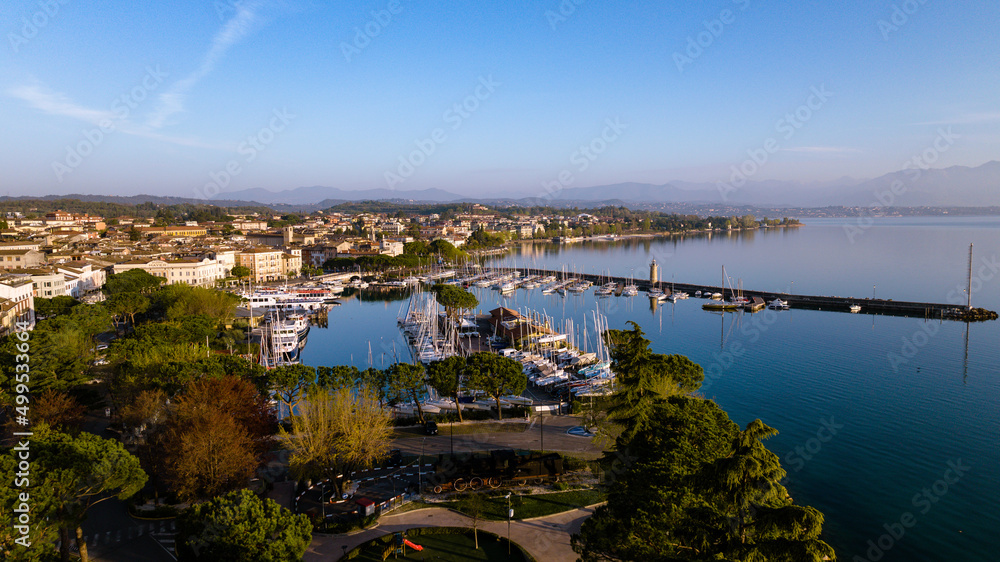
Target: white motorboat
<point x="778" y="304"/>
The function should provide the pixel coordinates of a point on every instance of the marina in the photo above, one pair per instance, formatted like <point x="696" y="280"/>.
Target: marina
<point x="911" y="393"/>
<point x="556" y="362"/>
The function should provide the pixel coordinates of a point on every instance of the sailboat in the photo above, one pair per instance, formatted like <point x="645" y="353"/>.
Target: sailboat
<point x="722" y="304"/>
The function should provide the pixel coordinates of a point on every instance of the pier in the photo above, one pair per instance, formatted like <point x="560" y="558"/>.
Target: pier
<point x="886" y="307"/>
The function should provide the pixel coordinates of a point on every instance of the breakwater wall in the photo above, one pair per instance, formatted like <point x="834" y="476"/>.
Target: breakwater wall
<point x="888" y="307"/>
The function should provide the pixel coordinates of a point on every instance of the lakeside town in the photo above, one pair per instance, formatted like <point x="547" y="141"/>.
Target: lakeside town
<point x="169" y="340"/>
<point x="65" y="253"/>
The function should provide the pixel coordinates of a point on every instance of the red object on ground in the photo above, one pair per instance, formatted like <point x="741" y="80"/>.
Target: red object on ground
<point x="416" y="547"/>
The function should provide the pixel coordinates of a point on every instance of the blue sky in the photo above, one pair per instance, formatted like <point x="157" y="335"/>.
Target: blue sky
<point x="484" y="98"/>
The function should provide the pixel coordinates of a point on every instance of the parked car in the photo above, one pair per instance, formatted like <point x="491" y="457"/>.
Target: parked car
<point x="431" y="428"/>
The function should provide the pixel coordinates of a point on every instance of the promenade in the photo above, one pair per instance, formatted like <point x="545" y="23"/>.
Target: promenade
<point x="545" y="538"/>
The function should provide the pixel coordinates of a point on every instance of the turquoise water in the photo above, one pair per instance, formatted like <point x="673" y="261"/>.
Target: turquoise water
<point x="902" y="395"/>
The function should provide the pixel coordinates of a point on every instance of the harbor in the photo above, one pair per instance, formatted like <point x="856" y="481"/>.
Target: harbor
<point x="558" y="358"/>
<point x="868" y="305"/>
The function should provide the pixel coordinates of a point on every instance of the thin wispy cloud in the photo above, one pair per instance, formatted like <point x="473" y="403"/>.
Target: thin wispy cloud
<point x="48" y="101"/>
<point x="172" y="101"/>
<point x="54" y="103"/>
<point x="822" y="149"/>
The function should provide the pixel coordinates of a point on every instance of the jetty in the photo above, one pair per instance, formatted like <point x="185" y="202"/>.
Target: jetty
<point x="887" y="307"/>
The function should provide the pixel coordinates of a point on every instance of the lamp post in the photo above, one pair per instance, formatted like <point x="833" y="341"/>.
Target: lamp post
<point x="322" y="500"/>
<point x="420" y="469"/>
<point x="510" y="515"/>
<point x="541" y="430"/>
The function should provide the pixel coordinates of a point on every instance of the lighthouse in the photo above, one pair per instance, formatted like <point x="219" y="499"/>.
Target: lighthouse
<point x="654" y="273"/>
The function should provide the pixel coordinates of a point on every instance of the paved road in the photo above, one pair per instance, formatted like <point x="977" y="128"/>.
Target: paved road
<point x="548" y="433"/>
<point x="545" y="538"/>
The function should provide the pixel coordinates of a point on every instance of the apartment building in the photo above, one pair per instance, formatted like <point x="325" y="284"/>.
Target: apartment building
<point x="46" y="282"/>
<point x="17" y="302"/>
<point x="265" y="264"/>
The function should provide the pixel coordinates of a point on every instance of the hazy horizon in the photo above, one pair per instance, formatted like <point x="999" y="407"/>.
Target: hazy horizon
<point x="198" y="99"/>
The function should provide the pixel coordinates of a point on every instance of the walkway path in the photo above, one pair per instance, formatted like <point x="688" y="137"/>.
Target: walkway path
<point x="545" y="538"/>
<point x="548" y="433"/>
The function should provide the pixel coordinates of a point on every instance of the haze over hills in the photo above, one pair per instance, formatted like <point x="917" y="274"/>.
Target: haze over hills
<point x="957" y="186"/>
<point x="317" y="193"/>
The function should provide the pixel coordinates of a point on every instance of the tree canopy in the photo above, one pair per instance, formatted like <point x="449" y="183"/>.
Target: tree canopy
<point x="445" y="376"/>
<point x="454" y="298"/>
<point x="337" y="432"/>
<point x="73" y="473"/>
<point x="407" y="381"/>
<point x="692" y="486"/>
<point x="131" y="281"/>
<point x="496" y="376"/>
<point x="240" y="527"/>
<point x="644" y="377"/>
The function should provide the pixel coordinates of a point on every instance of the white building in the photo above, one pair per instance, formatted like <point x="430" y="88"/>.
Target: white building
<point x="17" y="302"/>
<point x="46" y="282"/>
<point x="203" y="272"/>
<point x="83" y="281"/>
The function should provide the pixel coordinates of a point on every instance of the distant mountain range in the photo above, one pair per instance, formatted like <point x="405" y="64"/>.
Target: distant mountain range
<point x="957" y="186"/>
<point x="318" y="193"/>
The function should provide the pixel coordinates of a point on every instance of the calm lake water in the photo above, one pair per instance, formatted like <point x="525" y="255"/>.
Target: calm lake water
<point x="903" y="401"/>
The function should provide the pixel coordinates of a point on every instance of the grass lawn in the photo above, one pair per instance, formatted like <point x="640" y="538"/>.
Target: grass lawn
<point x="463" y="429"/>
<point x="444" y="547"/>
<point x="526" y="507"/>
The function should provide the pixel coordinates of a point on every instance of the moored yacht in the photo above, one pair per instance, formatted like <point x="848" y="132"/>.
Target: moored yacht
<point x="778" y="304"/>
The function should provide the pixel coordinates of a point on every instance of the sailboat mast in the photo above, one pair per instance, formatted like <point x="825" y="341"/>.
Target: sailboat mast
<point x="970" y="277"/>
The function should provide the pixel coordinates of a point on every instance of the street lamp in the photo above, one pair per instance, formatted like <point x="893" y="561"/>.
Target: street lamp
<point x="420" y="471"/>
<point x="541" y="430"/>
<point x="322" y="501"/>
<point x="510" y="515"/>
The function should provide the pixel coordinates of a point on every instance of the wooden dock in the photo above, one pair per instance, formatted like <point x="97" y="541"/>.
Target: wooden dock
<point x="887" y="307"/>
